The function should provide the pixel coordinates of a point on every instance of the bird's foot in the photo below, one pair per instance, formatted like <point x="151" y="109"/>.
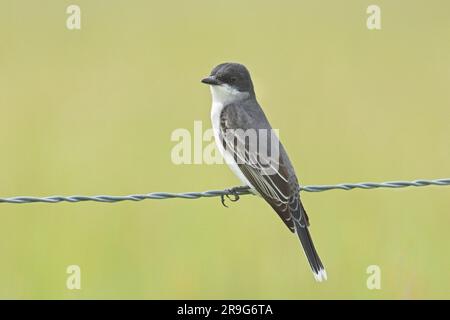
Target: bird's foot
<point x="233" y="194"/>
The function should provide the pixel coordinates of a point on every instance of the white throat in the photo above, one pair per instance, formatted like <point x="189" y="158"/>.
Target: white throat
<point x="225" y="94"/>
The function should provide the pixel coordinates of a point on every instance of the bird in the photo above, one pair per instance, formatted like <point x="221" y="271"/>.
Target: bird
<point x="235" y="108"/>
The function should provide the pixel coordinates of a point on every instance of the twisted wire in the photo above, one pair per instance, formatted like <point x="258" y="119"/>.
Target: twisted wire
<point x="220" y="193"/>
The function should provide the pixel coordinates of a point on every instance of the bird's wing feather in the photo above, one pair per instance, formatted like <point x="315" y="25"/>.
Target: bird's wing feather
<point x="275" y="182"/>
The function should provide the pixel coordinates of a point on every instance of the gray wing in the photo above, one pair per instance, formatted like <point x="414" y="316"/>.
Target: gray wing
<point x="273" y="177"/>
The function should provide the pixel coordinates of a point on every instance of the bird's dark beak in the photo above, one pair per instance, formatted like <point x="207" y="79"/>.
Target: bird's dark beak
<point x="211" y="80"/>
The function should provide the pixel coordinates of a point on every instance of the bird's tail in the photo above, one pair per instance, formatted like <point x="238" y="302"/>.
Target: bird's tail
<point x="311" y="253"/>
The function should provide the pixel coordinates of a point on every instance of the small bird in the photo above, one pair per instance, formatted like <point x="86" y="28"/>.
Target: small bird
<point x="234" y="107"/>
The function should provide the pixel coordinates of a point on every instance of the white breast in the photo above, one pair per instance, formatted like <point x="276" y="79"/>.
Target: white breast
<point x="223" y="95"/>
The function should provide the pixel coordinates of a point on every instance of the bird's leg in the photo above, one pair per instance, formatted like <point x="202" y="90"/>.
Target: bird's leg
<point x="235" y="193"/>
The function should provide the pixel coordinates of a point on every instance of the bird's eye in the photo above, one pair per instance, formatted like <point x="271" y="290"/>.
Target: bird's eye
<point x="233" y="79"/>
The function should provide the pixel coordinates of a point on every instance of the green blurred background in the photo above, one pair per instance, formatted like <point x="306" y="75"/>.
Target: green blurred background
<point x="91" y="112"/>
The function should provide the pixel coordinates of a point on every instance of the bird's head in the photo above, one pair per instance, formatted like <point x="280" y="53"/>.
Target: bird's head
<point x="230" y="82"/>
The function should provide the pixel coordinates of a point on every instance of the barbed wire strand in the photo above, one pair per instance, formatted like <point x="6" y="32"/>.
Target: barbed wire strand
<point x="221" y="193"/>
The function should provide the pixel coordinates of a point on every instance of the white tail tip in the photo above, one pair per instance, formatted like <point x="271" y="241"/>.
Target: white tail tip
<point x="320" y="276"/>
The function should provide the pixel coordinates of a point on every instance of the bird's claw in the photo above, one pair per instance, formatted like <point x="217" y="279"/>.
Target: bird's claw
<point x="222" y="199"/>
<point x="232" y="195"/>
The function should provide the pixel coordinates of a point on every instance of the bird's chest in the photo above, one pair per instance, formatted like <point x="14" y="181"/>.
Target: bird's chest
<point x="216" y="121"/>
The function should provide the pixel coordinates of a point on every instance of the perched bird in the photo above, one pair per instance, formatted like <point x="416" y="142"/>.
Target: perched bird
<point x="234" y="107"/>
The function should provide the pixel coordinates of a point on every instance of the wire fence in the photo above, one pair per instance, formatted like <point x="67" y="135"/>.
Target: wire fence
<point x="237" y="191"/>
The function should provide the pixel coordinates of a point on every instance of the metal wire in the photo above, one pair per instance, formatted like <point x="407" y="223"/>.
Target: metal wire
<point x="220" y="193"/>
